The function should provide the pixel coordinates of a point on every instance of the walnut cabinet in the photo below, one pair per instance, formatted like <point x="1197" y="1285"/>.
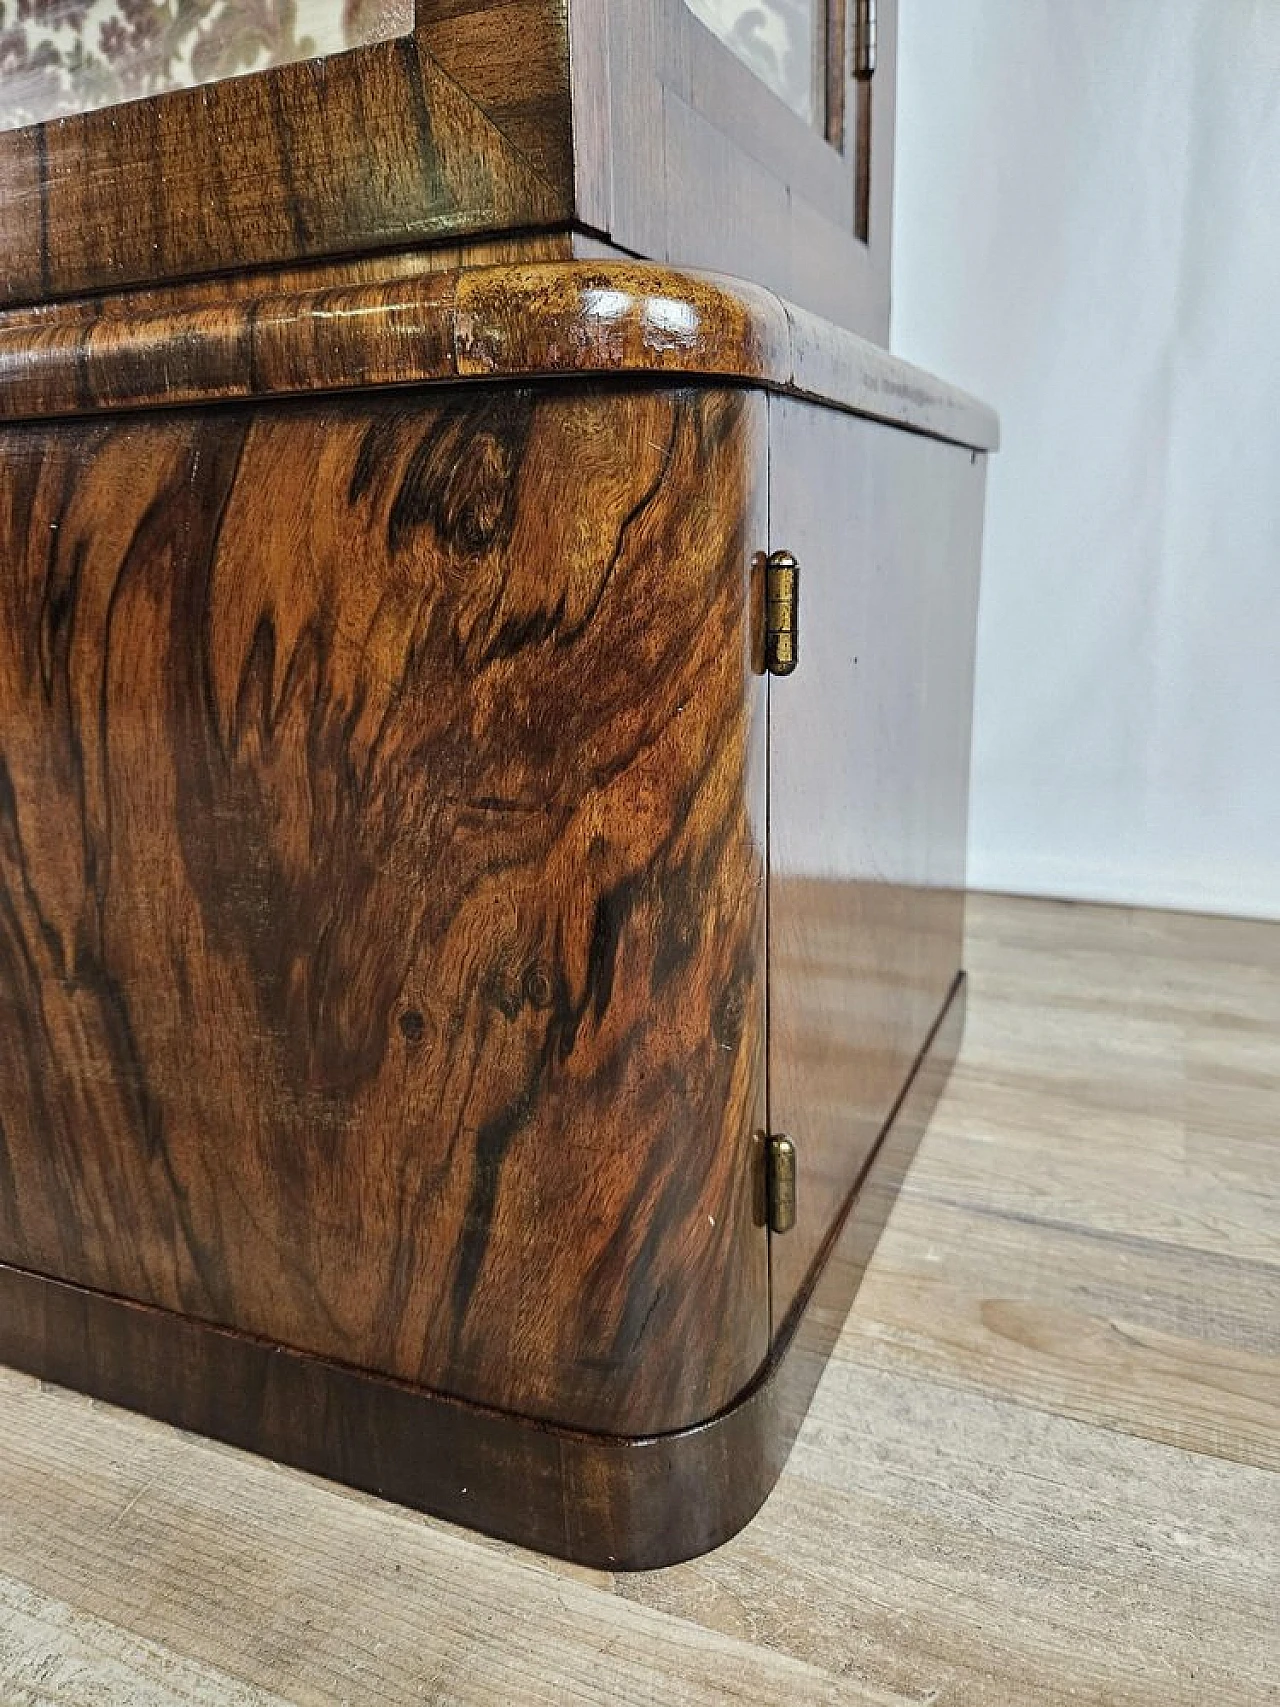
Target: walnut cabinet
<point x="486" y="650"/>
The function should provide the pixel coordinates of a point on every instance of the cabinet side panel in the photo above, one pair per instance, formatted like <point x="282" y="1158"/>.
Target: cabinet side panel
<point x="381" y="884"/>
<point x="869" y="764"/>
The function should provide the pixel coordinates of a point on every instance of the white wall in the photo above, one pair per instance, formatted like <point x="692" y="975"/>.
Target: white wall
<point x="1088" y="236"/>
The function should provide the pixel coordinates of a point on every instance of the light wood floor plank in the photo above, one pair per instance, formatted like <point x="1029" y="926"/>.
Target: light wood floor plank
<point x="959" y="1549"/>
<point x="1171" y="1345"/>
<point x="279" y="1583"/>
<point x="54" y="1656"/>
<point x="1040" y="1469"/>
<point x="1117" y="1077"/>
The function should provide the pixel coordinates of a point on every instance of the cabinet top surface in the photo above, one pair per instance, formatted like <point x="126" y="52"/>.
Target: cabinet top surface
<point x="199" y="345"/>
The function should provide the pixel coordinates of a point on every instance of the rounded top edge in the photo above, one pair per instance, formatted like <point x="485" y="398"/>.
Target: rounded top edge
<point x="547" y="320"/>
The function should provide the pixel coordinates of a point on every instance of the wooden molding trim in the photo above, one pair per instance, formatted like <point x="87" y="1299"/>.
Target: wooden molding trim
<point x="606" y="1501"/>
<point x="549" y="320"/>
<point x="280" y="166"/>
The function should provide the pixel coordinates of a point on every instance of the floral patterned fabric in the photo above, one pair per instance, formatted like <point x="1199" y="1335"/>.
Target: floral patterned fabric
<point x="72" y="56"/>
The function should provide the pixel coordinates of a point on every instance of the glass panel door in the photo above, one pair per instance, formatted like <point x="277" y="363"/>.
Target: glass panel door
<point x="72" y="56"/>
<point x="783" y="41"/>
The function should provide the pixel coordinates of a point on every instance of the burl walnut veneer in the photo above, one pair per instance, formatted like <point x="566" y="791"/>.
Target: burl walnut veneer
<point x="419" y="904"/>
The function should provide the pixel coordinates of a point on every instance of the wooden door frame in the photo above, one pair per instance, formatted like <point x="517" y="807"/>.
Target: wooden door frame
<point x="651" y="84"/>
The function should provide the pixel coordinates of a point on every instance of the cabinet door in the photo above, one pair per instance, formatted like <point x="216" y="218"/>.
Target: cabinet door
<point x="732" y="134"/>
<point x="868" y="788"/>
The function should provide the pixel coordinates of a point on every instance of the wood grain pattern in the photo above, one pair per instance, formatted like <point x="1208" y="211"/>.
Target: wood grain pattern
<point x="381" y="885"/>
<point x="623" y="1503"/>
<point x="940" y="1541"/>
<point x="543" y="319"/>
<point x="304" y="278"/>
<point x="306" y="1595"/>
<point x="382" y="896"/>
<point x="461" y="128"/>
<point x="1097" y="1234"/>
<point x="942" y="1528"/>
<point x="1180" y="1081"/>
<point x="1173" y="1347"/>
<point x="651" y="135"/>
<point x="868" y="788"/>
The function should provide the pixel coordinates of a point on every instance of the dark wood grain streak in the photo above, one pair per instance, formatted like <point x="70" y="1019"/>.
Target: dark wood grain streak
<point x="461" y="128"/>
<point x="618" y="1504"/>
<point x="381" y="884"/>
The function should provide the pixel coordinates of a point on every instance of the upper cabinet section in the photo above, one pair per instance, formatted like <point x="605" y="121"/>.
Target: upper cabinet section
<point x="61" y="57"/>
<point x="155" y="142"/>
<point x="751" y="136"/>
<point x="458" y="130"/>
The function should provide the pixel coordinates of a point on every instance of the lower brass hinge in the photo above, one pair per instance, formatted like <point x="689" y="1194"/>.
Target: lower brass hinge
<point x="782" y="614"/>
<point x="781" y="1183"/>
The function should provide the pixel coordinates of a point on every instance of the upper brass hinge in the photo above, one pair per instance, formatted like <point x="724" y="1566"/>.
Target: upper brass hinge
<point x="866" y="29"/>
<point x="781" y="1183"/>
<point x="782" y="614"/>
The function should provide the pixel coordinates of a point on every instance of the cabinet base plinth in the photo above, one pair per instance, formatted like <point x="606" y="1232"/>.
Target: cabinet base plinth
<point x="607" y="1501"/>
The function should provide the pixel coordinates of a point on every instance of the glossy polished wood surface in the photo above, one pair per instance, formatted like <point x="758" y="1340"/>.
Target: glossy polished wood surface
<point x="305" y="278"/>
<point x="868" y="788"/>
<point x="619" y="1504"/>
<point x="546" y="319"/>
<point x="461" y="128"/>
<point x="382" y="884"/>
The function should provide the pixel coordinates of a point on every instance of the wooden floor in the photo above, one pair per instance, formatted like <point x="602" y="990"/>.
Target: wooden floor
<point x="1042" y="1466"/>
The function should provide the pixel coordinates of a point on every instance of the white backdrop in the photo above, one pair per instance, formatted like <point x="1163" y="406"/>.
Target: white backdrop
<point x="1088" y="236"/>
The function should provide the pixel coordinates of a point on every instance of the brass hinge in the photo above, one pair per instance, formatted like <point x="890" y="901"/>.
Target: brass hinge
<point x="865" y="32"/>
<point x="781" y="1183"/>
<point x="782" y="614"/>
